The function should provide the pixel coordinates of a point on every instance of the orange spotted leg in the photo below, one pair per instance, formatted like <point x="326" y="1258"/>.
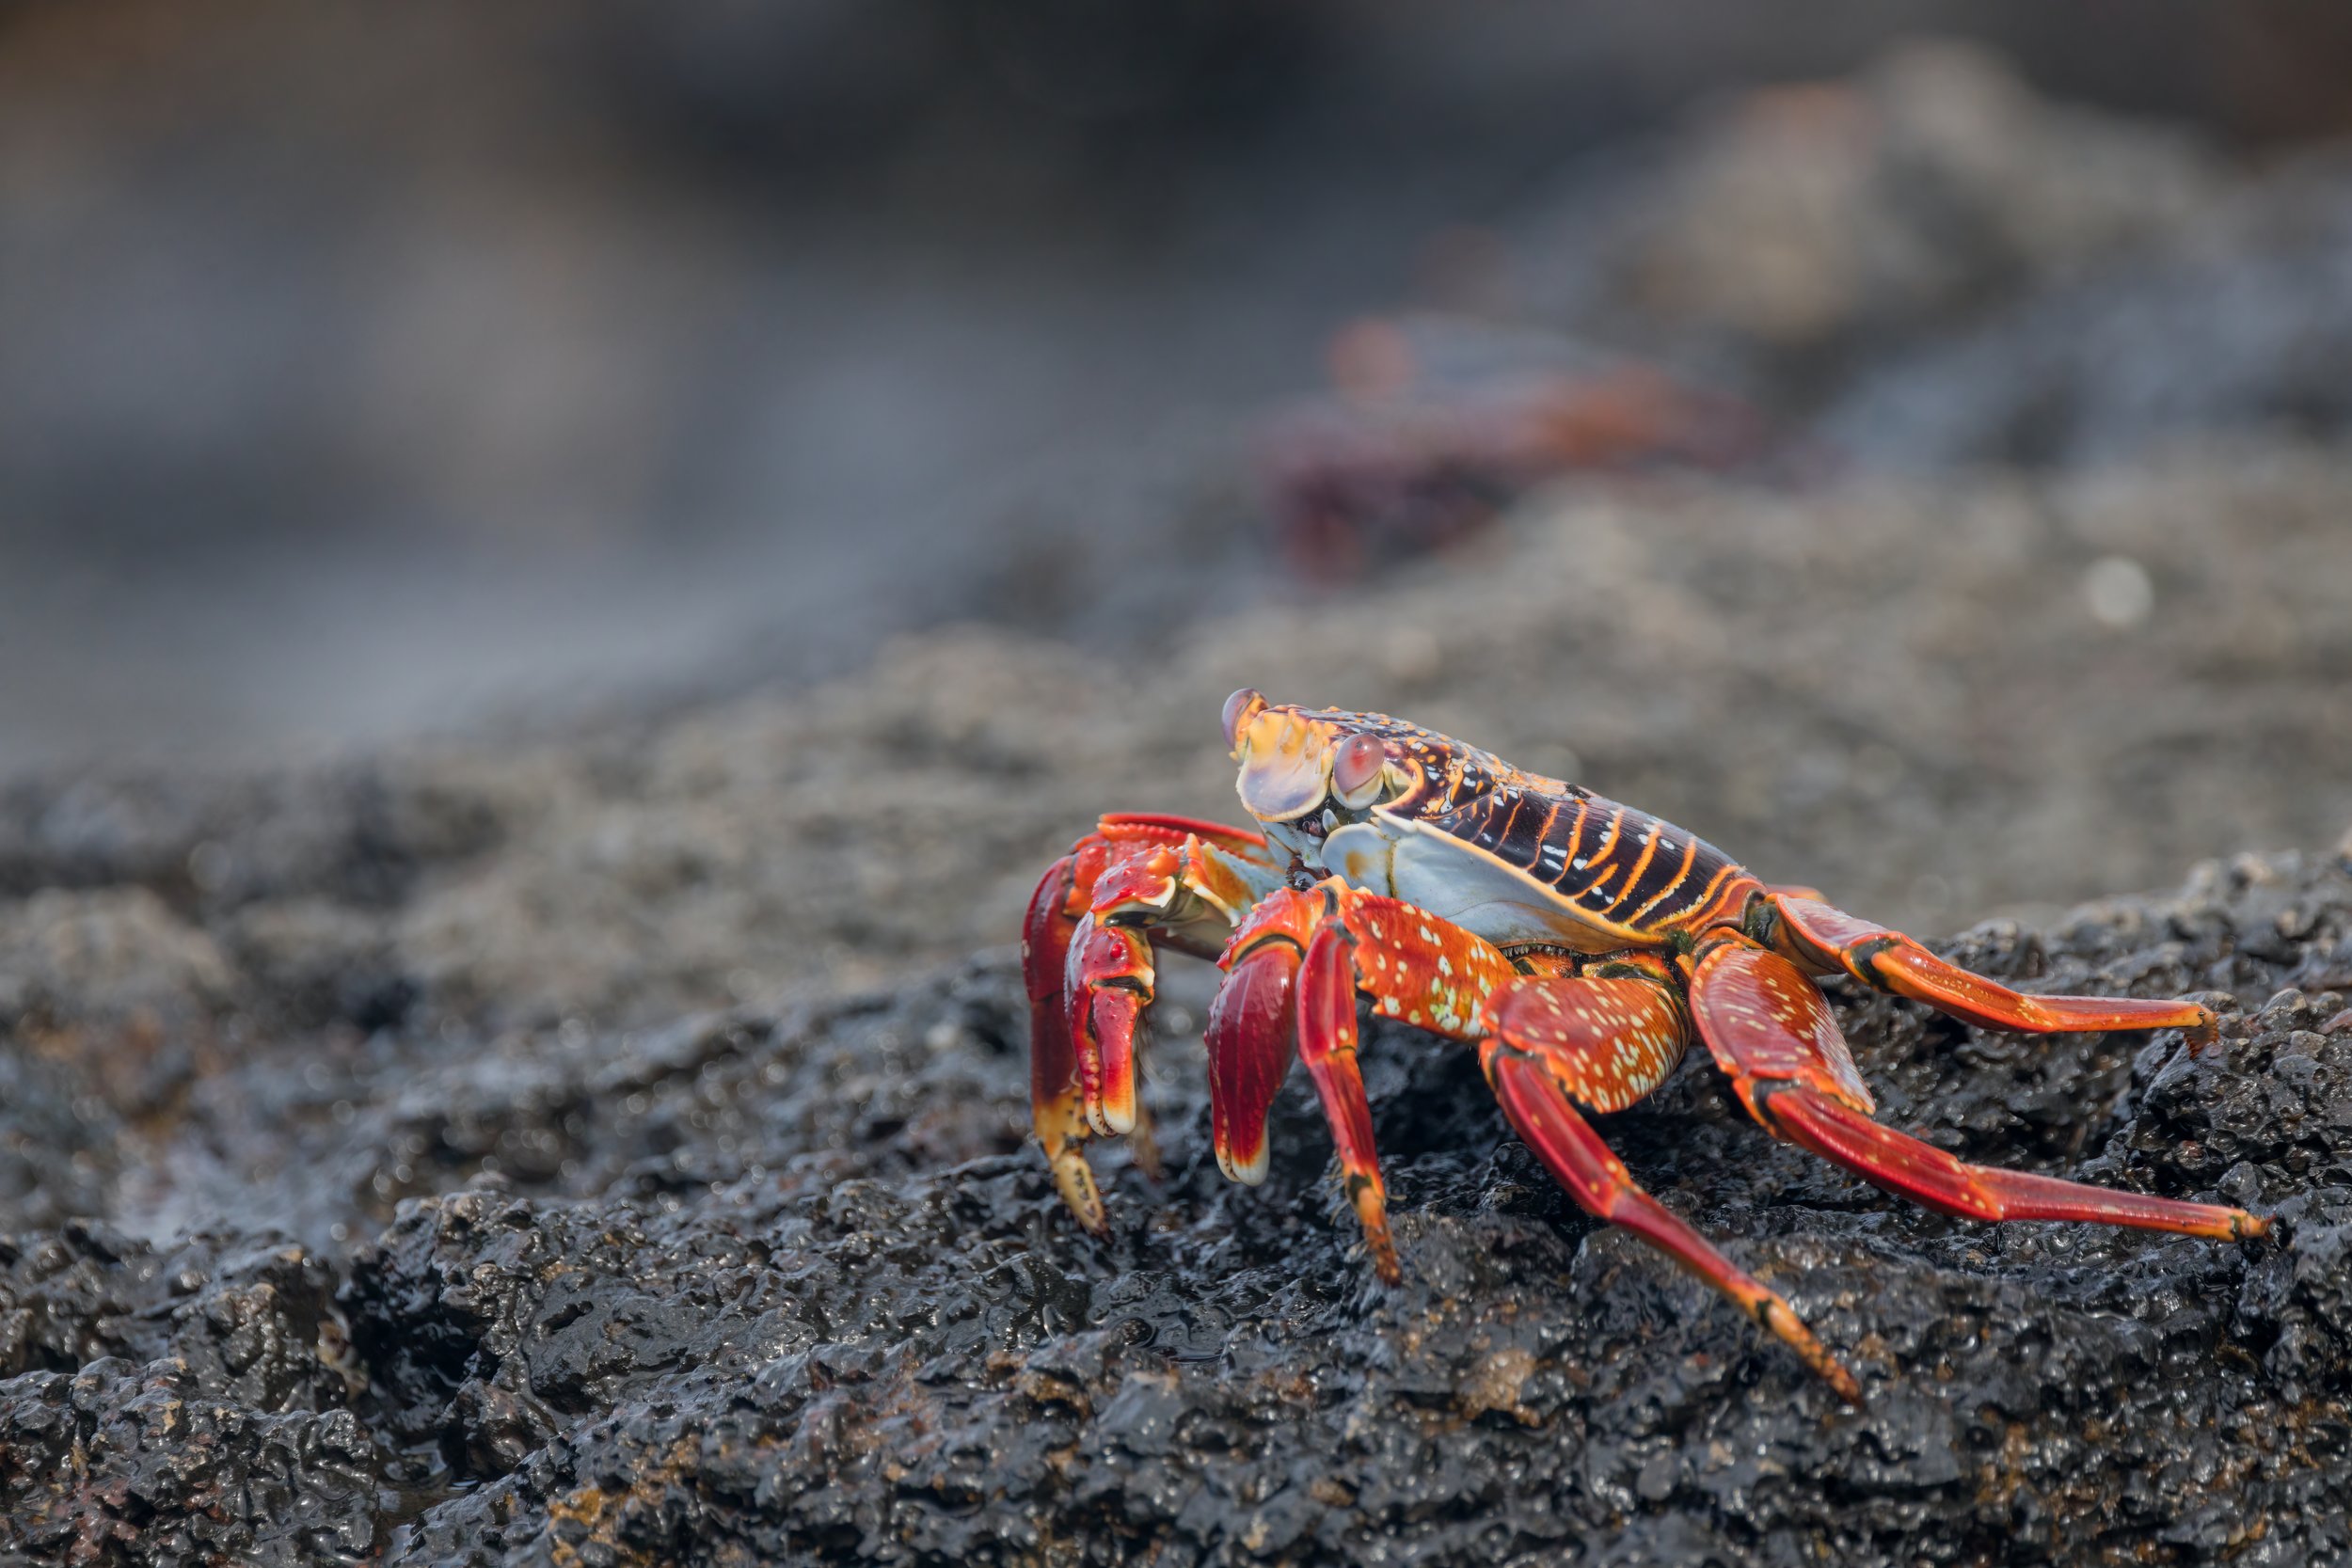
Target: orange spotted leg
<point x="1605" y="1039"/>
<point x="1538" y="1106"/>
<point x="1772" y="1030"/>
<point x="1828" y="940"/>
<point x="1604" y="1043"/>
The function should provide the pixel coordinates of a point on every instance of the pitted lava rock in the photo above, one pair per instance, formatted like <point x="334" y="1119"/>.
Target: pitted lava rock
<point x="789" y="1287"/>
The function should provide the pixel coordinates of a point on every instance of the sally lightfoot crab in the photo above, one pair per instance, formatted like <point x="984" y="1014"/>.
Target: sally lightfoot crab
<point x="1579" y="944"/>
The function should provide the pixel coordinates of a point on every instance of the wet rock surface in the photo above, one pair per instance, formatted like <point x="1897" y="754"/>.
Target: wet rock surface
<point x="782" y="1285"/>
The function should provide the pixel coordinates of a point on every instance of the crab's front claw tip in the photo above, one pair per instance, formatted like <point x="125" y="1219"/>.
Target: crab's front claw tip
<point x="1249" y="1169"/>
<point x="1112" y="1114"/>
<point x="2245" y="1228"/>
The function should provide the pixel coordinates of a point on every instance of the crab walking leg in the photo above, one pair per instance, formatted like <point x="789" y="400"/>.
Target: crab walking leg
<point x="1829" y="941"/>
<point x="1161" y="880"/>
<point x="1415" y="967"/>
<point x="1536" y="1103"/>
<point x="1770" y="1029"/>
<point x="1608" y="1040"/>
<point x="1609" y="1037"/>
<point x="1326" y="1043"/>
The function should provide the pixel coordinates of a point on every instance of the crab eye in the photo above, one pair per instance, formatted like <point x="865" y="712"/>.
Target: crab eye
<point x="1238" y="708"/>
<point x="1356" y="769"/>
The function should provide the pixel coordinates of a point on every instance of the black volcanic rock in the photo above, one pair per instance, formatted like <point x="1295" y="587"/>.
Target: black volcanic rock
<point x="786" y="1286"/>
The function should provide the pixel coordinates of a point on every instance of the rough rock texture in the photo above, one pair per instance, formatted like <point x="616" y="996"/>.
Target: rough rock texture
<point x="788" y="1286"/>
<point x="1804" y="219"/>
<point x="1933" y="700"/>
<point x="2237" y="322"/>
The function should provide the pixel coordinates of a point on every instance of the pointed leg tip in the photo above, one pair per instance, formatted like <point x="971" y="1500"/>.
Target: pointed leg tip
<point x="1075" y="1182"/>
<point x="2245" y="1228"/>
<point x="1781" y="1319"/>
<point x="1370" y="1200"/>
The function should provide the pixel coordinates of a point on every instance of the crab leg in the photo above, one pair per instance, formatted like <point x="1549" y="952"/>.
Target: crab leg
<point x="1606" y="1040"/>
<point x="1337" y="940"/>
<point x="1535" y="1099"/>
<point x="1326" y="1043"/>
<point x="1770" y="1029"/>
<point x="1827" y="940"/>
<point x="1135" y="881"/>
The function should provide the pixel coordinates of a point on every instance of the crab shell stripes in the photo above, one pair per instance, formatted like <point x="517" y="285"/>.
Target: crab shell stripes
<point x="1456" y="879"/>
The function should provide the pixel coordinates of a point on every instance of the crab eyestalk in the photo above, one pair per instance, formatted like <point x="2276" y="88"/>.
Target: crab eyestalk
<point x="1240" y="708"/>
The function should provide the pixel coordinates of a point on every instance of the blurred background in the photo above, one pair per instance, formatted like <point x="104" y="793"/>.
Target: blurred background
<point x="1901" y="440"/>
<point x="368" y="370"/>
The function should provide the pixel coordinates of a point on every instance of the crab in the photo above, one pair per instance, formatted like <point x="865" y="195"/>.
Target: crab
<point x="1579" y="945"/>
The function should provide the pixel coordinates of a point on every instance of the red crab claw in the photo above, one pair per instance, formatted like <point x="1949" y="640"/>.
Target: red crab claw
<point x="1252" y="1030"/>
<point x="1107" y="987"/>
<point x="1054" y="1097"/>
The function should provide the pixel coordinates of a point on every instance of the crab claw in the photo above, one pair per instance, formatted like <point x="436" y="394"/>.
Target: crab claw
<point x="1107" y="986"/>
<point x="1054" y="1098"/>
<point x="1251" y="1031"/>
